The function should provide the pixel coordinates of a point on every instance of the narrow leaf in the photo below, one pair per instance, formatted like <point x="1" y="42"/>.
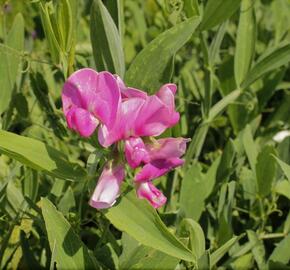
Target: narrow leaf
<point x="147" y="69"/>
<point x="218" y="11"/>
<point x="270" y="61"/>
<point x="245" y="44"/>
<point x="219" y="253"/>
<point x="106" y="42"/>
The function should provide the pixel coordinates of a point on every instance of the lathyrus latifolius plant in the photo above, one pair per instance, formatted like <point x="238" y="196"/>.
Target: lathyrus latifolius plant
<point x="127" y="116"/>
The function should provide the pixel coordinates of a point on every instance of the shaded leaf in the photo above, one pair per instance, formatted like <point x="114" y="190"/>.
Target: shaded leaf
<point x="69" y="251"/>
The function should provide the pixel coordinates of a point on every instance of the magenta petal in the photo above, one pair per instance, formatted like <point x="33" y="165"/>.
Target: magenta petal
<point x="135" y="152"/>
<point x="81" y="121"/>
<point x="125" y="124"/>
<point x="133" y="92"/>
<point x="108" y="98"/>
<point x="96" y="93"/>
<point x="167" y="148"/>
<point x="152" y="118"/>
<point x="108" y="187"/>
<point x="149" y="192"/>
<point x="157" y="168"/>
<point x="167" y="95"/>
<point x="78" y="88"/>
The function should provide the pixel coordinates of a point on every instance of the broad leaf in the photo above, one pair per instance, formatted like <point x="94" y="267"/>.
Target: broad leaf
<point x="147" y="71"/>
<point x="68" y="249"/>
<point x="281" y="253"/>
<point x="285" y="167"/>
<point x="136" y="256"/>
<point x="196" y="187"/>
<point x="190" y="228"/>
<point x="265" y="170"/>
<point x="39" y="156"/>
<point x="137" y="218"/>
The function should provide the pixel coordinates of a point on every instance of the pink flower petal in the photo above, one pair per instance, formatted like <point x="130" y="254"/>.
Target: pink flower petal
<point x="157" y="168"/>
<point x="155" y="117"/>
<point x="96" y="93"/>
<point x="81" y="121"/>
<point x="108" y="187"/>
<point x="149" y="192"/>
<point x="124" y="126"/>
<point x="167" y="148"/>
<point x="108" y="98"/>
<point x="135" y="152"/>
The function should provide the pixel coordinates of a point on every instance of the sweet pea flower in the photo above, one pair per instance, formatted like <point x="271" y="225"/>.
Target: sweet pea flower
<point x="140" y="115"/>
<point x="161" y="156"/>
<point x="90" y="98"/>
<point x="108" y="186"/>
<point x="149" y="192"/>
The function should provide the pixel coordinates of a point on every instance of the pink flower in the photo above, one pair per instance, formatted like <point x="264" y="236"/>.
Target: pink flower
<point x="161" y="156"/>
<point x="108" y="186"/>
<point x="141" y="115"/>
<point x="90" y="98"/>
<point x="136" y="152"/>
<point x="149" y="192"/>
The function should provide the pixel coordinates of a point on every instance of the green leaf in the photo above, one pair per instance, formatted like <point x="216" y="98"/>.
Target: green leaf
<point x="69" y="251"/>
<point x="41" y="92"/>
<point x="106" y="42"/>
<point x="283" y="188"/>
<point x="10" y="60"/>
<point x="195" y="188"/>
<point x="269" y="61"/>
<point x="225" y="168"/>
<point x="265" y="170"/>
<point x="285" y="167"/>
<point x="136" y="256"/>
<point x="220" y="252"/>
<point x="65" y="23"/>
<point x="218" y="11"/>
<point x="137" y="218"/>
<point x="39" y="156"/>
<point x="258" y="249"/>
<point x="51" y="34"/>
<point x="250" y="146"/>
<point x="246" y="37"/>
<point x="147" y="70"/>
<point x="281" y="253"/>
<point x="190" y="228"/>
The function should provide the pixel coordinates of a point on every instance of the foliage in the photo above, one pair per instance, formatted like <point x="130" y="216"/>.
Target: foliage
<point x="227" y="207"/>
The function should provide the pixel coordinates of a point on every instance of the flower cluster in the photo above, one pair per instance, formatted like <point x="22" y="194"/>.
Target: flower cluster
<point x="101" y="100"/>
